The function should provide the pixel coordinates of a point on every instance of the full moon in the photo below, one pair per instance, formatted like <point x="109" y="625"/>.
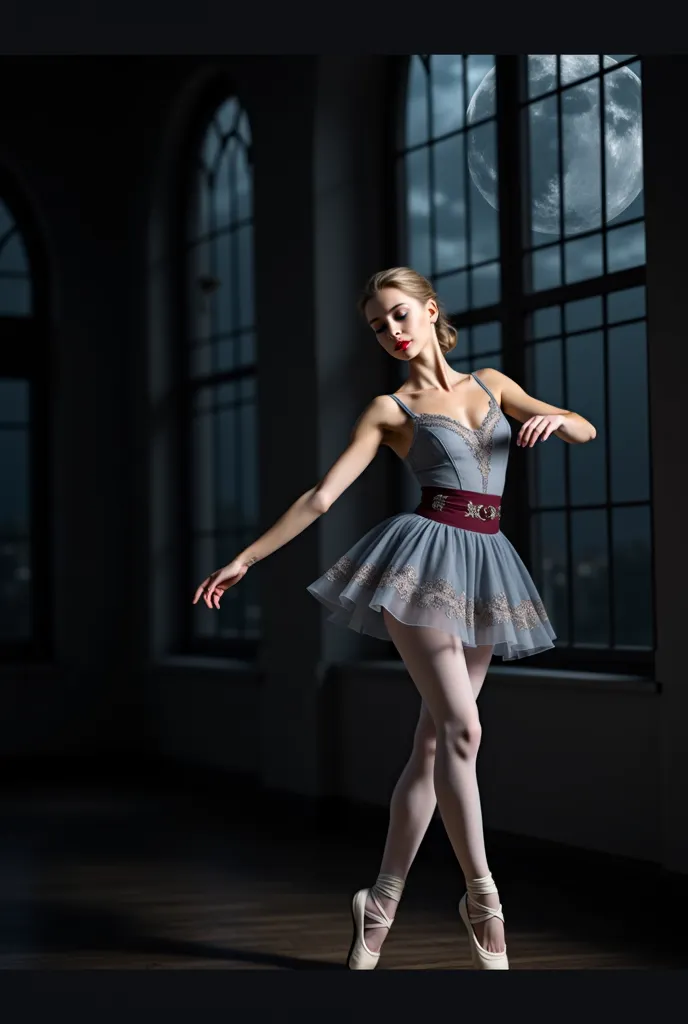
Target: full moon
<point x="581" y="123"/>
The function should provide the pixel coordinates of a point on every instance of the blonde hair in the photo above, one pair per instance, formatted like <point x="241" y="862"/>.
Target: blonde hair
<point x="417" y="287"/>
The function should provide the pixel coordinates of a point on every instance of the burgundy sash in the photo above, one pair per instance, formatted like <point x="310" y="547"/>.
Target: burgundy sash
<point x="469" y="510"/>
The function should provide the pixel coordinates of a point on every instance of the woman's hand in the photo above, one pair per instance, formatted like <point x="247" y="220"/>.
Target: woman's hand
<point x="213" y="587"/>
<point x="539" y="428"/>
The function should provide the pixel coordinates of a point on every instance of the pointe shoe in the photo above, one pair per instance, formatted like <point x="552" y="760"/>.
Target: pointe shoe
<point x="482" y="959"/>
<point x="361" y="958"/>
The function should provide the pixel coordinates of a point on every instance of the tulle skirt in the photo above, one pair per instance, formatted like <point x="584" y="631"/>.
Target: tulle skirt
<point x="426" y="573"/>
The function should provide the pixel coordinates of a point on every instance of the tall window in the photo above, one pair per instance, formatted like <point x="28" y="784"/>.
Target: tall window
<point x="574" y="314"/>
<point x="24" y="374"/>
<point x="223" y="491"/>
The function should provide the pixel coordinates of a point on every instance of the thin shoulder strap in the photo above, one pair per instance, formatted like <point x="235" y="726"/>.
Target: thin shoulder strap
<point x="396" y="398"/>
<point x="484" y="387"/>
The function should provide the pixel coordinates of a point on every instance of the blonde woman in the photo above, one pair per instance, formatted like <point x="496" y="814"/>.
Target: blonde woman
<point x="443" y="583"/>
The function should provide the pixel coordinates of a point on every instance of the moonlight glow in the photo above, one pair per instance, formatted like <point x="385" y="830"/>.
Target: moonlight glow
<point x="581" y="124"/>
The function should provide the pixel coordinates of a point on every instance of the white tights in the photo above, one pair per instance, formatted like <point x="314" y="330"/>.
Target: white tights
<point x="442" y="765"/>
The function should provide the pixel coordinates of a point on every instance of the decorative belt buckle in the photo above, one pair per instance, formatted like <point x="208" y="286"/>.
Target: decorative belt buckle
<point x="475" y="512"/>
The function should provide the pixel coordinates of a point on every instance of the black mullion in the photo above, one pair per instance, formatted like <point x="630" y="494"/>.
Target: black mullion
<point x="509" y="70"/>
<point x="589" y="234"/>
<point x="457" y="270"/>
<point x="432" y="224"/>
<point x="212" y="412"/>
<point x="236" y="306"/>
<point x="583" y="81"/>
<point x="633" y="277"/>
<point x="240" y="222"/>
<point x="445" y="135"/>
<point x="466" y="198"/>
<point x="611" y="599"/>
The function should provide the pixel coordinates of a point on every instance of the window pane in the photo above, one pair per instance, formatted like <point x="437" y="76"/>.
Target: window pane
<point x="546" y="269"/>
<point x="590" y="577"/>
<point x="550" y="568"/>
<point x="225" y="313"/>
<point x="13" y="256"/>
<point x="583" y="314"/>
<point x="245" y="252"/>
<point x="632" y="577"/>
<point x="202" y="283"/>
<point x="574" y="66"/>
<point x="15" y="296"/>
<point x="226" y="116"/>
<point x="203" y="468"/>
<point x="452" y="291"/>
<point x="583" y="258"/>
<point x="14" y="401"/>
<point x="623" y="127"/>
<point x="484" y="219"/>
<point x="212" y="149"/>
<point x="482" y="86"/>
<point x="626" y="305"/>
<point x="626" y="247"/>
<point x="581" y="150"/>
<point x="243" y="184"/>
<point x="628" y="413"/>
<point x="542" y="73"/>
<point x="448" y="101"/>
<point x="417" y="104"/>
<point x="249" y="354"/>
<point x="227" y="469"/>
<point x="547" y="470"/>
<point x="486" y="338"/>
<point x="15" y="590"/>
<point x="203" y="211"/>
<point x="418" y="211"/>
<point x="450" y="205"/>
<point x="585" y="372"/>
<point x="543" y="137"/>
<point x="485" y="285"/>
<point x="14" y="473"/>
<point x="546" y="323"/>
<point x="223" y="188"/>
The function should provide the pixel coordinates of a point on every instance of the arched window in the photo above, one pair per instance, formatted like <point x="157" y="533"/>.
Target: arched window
<point x="24" y="381"/>
<point x="221" y="367"/>
<point x="545" y="152"/>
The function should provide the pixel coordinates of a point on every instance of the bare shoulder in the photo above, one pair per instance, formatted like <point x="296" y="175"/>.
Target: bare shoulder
<point x="383" y="419"/>
<point x="495" y="380"/>
<point x="384" y="412"/>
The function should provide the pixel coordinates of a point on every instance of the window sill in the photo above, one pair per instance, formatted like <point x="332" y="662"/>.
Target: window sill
<point x="513" y="675"/>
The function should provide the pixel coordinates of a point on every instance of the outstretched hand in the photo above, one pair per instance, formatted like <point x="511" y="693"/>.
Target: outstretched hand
<point x="213" y="587"/>
<point x="538" y="428"/>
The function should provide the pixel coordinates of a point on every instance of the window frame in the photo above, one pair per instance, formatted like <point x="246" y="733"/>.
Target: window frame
<point x="187" y="641"/>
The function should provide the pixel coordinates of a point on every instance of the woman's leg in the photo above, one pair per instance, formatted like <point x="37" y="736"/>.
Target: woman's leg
<point x="413" y="801"/>
<point x="437" y="664"/>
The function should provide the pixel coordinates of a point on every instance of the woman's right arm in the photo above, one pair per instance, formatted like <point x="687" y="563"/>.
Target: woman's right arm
<point x="366" y="438"/>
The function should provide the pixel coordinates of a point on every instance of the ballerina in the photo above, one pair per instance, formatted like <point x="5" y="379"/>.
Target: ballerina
<point x="443" y="583"/>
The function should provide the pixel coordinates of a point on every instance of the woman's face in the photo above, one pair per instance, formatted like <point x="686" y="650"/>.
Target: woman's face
<point x="403" y="325"/>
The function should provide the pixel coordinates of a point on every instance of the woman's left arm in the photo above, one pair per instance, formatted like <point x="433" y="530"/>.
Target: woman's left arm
<point x="539" y="419"/>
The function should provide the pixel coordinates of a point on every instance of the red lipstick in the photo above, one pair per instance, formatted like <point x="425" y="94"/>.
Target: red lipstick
<point x="402" y="345"/>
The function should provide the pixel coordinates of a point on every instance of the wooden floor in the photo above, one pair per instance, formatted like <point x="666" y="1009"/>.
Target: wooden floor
<point x="177" y="873"/>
